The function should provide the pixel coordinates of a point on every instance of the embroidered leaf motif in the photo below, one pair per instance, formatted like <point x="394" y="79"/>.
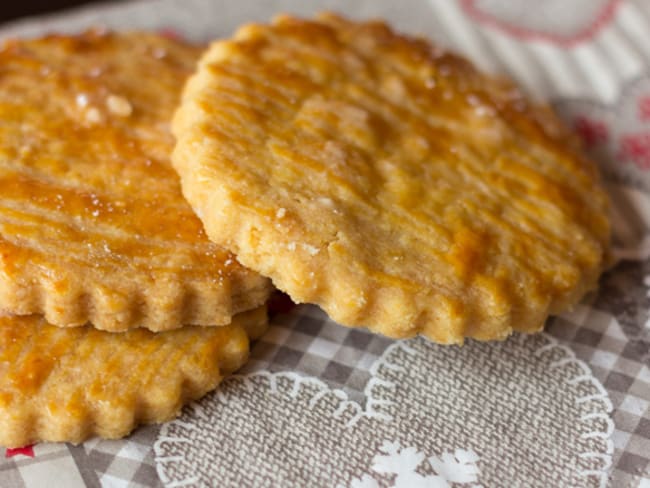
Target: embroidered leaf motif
<point x="396" y="460"/>
<point x="459" y="467"/>
<point x="403" y="463"/>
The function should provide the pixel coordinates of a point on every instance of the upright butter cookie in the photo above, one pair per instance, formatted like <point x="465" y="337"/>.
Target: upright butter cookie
<point x="388" y="181"/>
<point x="59" y="384"/>
<point x="93" y="225"/>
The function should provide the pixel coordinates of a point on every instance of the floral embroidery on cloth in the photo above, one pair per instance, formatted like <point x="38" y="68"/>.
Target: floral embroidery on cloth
<point x="446" y="412"/>
<point x="402" y="465"/>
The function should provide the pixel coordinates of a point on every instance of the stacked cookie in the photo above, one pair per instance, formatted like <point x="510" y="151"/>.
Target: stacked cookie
<point x="373" y="174"/>
<point x="96" y="237"/>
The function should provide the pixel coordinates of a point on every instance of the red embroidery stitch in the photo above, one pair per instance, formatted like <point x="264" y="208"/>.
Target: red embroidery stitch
<point x="644" y="108"/>
<point x="591" y="132"/>
<point x="603" y="18"/>
<point x="170" y="33"/>
<point x="23" y="451"/>
<point x="636" y="148"/>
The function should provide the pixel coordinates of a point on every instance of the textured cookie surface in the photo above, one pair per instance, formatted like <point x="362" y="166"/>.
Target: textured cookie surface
<point x="388" y="181"/>
<point x="93" y="225"/>
<point x="67" y="384"/>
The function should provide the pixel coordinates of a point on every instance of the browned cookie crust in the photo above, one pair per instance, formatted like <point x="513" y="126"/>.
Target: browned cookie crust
<point x="68" y="384"/>
<point x="93" y="225"/>
<point x="389" y="181"/>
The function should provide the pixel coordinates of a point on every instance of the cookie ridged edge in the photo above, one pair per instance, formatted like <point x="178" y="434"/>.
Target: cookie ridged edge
<point x="120" y="307"/>
<point x="56" y="424"/>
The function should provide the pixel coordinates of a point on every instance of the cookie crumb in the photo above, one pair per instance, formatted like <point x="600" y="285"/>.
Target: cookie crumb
<point x="159" y="52"/>
<point x="312" y="250"/>
<point x="82" y="100"/>
<point x="94" y="116"/>
<point x="119" y="105"/>
<point x="326" y="202"/>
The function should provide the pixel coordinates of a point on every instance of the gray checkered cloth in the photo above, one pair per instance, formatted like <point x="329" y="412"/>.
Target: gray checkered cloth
<point x="593" y="61"/>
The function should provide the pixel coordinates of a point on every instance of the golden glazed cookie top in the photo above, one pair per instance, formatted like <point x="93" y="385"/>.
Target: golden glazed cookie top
<point x="61" y="384"/>
<point x="93" y="225"/>
<point x="388" y="181"/>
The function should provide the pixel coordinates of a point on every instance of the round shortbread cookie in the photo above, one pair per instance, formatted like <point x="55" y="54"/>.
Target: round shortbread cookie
<point x="389" y="181"/>
<point x="68" y="384"/>
<point x="93" y="225"/>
